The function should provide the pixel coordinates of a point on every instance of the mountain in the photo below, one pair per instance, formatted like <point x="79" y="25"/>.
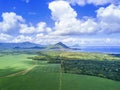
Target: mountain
<point x="58" y="46"/>
<point x="22" y="45"/>
<point x="29" y="45"/>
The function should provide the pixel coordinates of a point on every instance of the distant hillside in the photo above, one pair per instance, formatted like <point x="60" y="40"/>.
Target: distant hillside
<point x="58" y="46"/>
<point x="22" y="45"/>
<point x="29" y="45"/>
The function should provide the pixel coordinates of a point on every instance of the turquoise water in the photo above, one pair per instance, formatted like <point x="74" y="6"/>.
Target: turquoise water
<point x="101" y="49"/>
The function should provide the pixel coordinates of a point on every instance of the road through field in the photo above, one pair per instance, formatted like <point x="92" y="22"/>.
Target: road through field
<point x="21" y="72"/>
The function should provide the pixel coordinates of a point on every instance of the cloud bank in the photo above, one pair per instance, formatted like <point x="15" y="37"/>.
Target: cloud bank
<point x="67" y="27"/>
<point x="94" y="2"/>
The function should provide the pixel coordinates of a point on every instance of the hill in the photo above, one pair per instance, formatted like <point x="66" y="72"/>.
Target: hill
<point x="58" y="46"/>
<point x="22" y="45"/>
<point x="29" y="45"/>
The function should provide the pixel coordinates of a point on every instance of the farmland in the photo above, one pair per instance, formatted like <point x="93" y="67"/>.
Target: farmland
<point x="45" y="75"/>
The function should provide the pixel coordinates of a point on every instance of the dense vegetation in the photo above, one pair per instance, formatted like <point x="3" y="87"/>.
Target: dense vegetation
<point x="49" y="56"/>
<point x="106" y="69"/>
<point x="95" y="64"/>
<point x="45" y="76"/>
<point x="88" y="56"/>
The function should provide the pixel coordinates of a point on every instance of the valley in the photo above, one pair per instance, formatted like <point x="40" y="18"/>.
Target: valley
<point x="41" y="70"/>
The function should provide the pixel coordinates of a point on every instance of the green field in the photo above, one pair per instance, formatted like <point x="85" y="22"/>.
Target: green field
<point x="14" y="63"/>
<point x="45" y="76"/>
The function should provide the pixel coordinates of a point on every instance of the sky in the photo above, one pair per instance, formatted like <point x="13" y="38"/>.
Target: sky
<point x="73" y="22"/>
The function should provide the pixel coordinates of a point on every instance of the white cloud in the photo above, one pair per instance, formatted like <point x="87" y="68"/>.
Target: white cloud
<point x="25" y="29"/>
<point x="10" y="21"/>
<point x="66" y="22"/>
<point x="95" y="2"/>
<point x="48" y="39"/>
<point x="14" y="29"/>
<point x="79" y="2"/>
<point x="39" y="35"/>
<point x="61" y="10"/>
<point x="41" y="27"/>
<point x="5" y="37"/>
<point x="22" y="38"/>
<point x="68" y="28"/>
<point x="91" y="41"/>
<point x="89" y="26"/>
<point x="109" y="19"/>
<point x="100" y="2"/>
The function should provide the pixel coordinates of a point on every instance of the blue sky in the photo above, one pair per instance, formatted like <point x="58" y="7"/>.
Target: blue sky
<point x="83" y="22"/>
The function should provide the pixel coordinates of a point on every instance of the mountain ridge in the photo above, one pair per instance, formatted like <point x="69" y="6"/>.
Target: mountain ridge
<point x="58" y="45"/>
<point x="18" y="45"/>
<point x="30" y="45"/>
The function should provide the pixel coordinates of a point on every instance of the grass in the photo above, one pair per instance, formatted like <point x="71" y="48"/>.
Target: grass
<point x="67" y="55"/>
<point x="14" y="63"/>
<point x="88" y="56"/>
<point x="45" y="76"/>
<point x="83" y="82"/>
<point x="41" y="78"/>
